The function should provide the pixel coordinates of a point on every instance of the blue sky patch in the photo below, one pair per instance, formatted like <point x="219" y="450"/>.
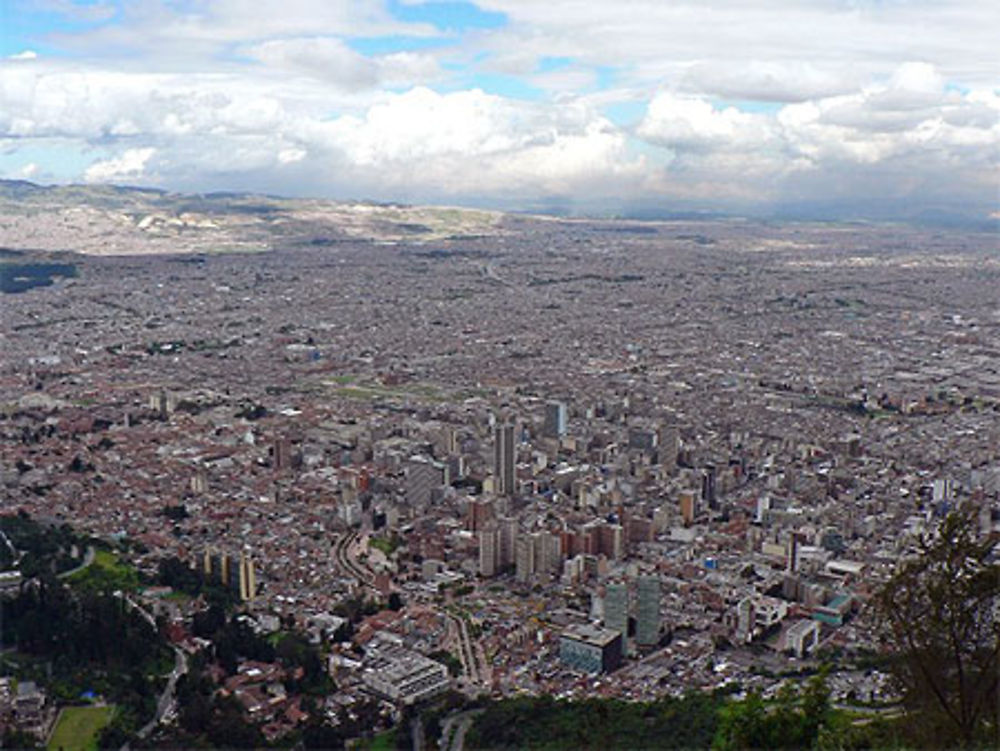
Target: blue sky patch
<point x="448" y="16"/>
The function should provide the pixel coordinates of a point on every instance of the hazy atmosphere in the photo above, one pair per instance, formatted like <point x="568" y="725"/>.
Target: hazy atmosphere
<point x="828" y="108"/>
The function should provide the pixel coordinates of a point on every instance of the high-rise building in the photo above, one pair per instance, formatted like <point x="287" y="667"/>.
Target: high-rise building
<point x="647" y="627"/>
<point x="548" y="552"/>
<point x="616" y="608"/>
<point x="524" y="555"/>
<point x="669" y="446"/>
<point x="708" y="486"/>
<point x="479" y="513"/>
<point x="508" y="540"/>
<point x="688" y="507"/>
<point x="247" y="578"/>
<point x="504" y="458"/>
<point x="642" y="439"/>
<point x="744" y="620"/>
<point x="489" y="549"/>
<point x="555" y="420"/>
<point x="423" y="477"/>
<point x="605" y="539"/>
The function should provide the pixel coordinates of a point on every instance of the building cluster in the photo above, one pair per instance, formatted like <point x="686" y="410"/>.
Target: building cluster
<point x="685" y="456"/>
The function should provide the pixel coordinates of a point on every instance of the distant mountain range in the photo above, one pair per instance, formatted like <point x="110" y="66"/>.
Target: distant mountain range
<point x="118" y="220"/>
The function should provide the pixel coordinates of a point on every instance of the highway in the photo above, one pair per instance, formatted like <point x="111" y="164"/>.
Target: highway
<point x="469" y="652"/>
<point x="346" y="550"/>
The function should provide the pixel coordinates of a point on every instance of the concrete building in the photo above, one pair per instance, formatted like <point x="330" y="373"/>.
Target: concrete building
<point x="802" y="637"/>
<point x="590" y="649"/>
<point x="489" y="550"/>
<point x="504" y="458"/>
<point x="508" y="540"/>
<point x="555" y="420"/>
<point x="524" y="554"/>
<point x="647" y="629"/>
<point x="401" y="675"/>
<point x="616" y="608"/>
<point x="424" y="476"/>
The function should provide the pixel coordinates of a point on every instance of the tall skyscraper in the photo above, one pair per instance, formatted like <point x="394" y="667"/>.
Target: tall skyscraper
<point x="508" y="539"/>
<point x="504" y="458"/>
<point x="247" y="578"/>
<point x="616" y="608"/>
<point x="423" y="477"/>
<point x="489" y="549"/>
<point x="555" y="420"/>
<point x="479" y="514"/>
<point x="669" y="446"/>
<point x="647" y="628"/>
<point x="524" y="555"/>
<point x="708" y="486"/>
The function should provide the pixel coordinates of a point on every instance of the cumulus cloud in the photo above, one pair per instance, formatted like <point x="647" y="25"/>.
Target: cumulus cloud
<point x="130" y="164"/>
<point x="330" y="60"/>
<point x="689" y="123"/>
<point x="908" y="134"/>
<point x="195" y="31"/>
<point x="767" y="80"/>
<point x="810" y="40"/>
<point x="24" y="55"/>
<point x="732" y="99"/>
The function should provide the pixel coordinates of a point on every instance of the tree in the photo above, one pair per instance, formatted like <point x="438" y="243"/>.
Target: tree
<point x="939" y="615"/>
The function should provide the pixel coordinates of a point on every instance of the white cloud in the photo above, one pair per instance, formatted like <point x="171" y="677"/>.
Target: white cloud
<point x="24" y="55"/>
<point x="189" y="33"/>
<point x="767" y="80"/>
<point x="272" y="94"/>
<point x="908" y="135"/>
<point x="130" y="164"/>
<point x="818" y="43"/>
<point x="331" y="61"/>
<point x="689" y="123"/>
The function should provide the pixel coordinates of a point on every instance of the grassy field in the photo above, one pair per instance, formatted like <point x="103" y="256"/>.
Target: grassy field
<point x="107" y="574"/>
<point x="385" y="741"/>
<point x="78" y="727"/>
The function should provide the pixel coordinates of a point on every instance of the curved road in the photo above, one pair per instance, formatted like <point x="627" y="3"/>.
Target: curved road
<point x="345" y="552"/>
<point x="461" y="723"/>
<point x="167" y="701"/>
<point x="88" y="558"/>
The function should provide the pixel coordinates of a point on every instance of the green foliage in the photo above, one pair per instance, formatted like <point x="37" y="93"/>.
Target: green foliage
<point x="79" y="727"/>
<point x="355" y="609"/>
<point x="387" y="545"/>
<point x="360" y="722"/>
<point x="938" y="614"/>
<point x="295" y="651"/>
<point x="207" y="718"/>
<point x="74" y="641"/>
<point x="46" y="549"/>
<point x="449" y="660"/>
<point x="173" y="572"/>
<point x="793" y="721"/>
<point x="552" y="725"/>
<point x="106" y="574"/>
<point x="18" y="739"/>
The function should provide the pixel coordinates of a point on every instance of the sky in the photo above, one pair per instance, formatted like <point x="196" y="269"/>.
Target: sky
<point x="585" y="106"/>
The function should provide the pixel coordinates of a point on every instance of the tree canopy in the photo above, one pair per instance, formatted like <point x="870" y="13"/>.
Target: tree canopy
<point x="939" y="615"/>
